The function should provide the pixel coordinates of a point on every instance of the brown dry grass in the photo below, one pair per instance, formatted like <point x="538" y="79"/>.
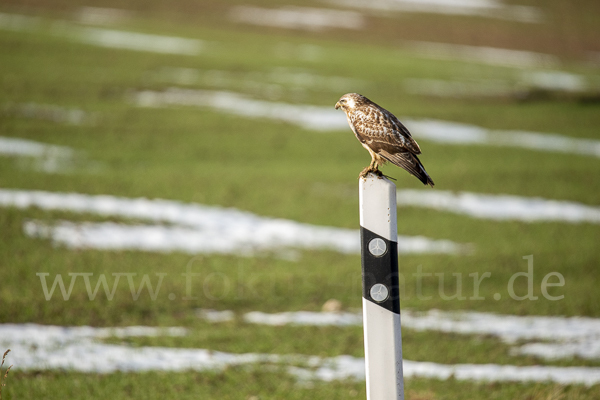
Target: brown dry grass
<point x="555" y="392"/>
<point x="420" y="395"/>
<point x="3" y="377"/>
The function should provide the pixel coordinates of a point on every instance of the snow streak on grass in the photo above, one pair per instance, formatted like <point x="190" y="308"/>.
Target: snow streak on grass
<point x="49" y="112"/>
<point x="39" y="347"/>
<point x="293" y="17"/>
<point x="327" y="119"/>
<point x="306" y="116"/>
<point x="480" y="8"/>
<point x="198" y="228"/>
<point x="139" y="41"/>
<point x="559" y="337"/>
<point x="43" y="157"/>
<point x="500" y="207"/>
<point x="484" y="55"/>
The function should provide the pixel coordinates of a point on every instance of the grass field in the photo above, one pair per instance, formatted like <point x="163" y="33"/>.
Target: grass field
<point x="279" y="169"/>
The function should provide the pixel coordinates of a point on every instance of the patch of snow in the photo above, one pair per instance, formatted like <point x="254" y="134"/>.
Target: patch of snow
<point x="481" y="8"/>
<point x="456" y="88"/>
<point x="102" y="16"/>
<point x="242" y="238"/>
<point x="293" y="17"/>
<point x="198" y="228"/>
<point x="588" y="348"/>
<point x="348" y="367"/>
<point x="49" y="336"/>
<point x="555" y="80"/>
<point x="300" y="51"/>
<point x="39" y="347"/>
<point x="24" y="147"/>
<point x="500" y="207"/>
<point x="215" y="316"/>
<point x="49" y="112"/>
<point x="306" y="116"/>
<point x="304" y="318"/>
<point x="562" y="337"/>
<point x="43" y="157"/>
<point x="103" y="37"/>
<point x="509" y="328"/>
<point x="531" y="80"/>
<point x="484" y="55"/>
<point x="74" y="348"/>
<point x="138" y="41"/>
<point x="319" y="118"/>
<point x="458" y="133"/>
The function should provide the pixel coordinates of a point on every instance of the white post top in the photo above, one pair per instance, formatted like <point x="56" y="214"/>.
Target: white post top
<point x="378" y="206"/>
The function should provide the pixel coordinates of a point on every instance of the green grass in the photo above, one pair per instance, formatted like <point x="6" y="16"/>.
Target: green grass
<point x="252" y="383"/>
<point x="280" y="170"/>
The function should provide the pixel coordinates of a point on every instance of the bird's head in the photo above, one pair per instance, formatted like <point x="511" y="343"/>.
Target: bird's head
<point x="350" y="101"/>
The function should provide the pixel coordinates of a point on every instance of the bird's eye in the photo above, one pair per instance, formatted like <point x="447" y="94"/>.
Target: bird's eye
<point x="342" y="101"/>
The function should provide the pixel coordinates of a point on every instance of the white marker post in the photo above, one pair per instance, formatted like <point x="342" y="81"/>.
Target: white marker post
<point x="381" y="298"/>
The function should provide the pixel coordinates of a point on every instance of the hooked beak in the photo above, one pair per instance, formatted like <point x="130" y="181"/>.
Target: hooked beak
<point x="337" y="105"/>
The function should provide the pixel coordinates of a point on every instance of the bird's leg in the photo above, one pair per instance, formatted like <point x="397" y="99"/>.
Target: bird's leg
<point x="372" y="168"/>
<point x="367" y="170"/>
<point x="375" y="169"/>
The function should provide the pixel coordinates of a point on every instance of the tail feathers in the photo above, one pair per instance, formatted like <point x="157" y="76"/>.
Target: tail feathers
<point x="410" y="163"/>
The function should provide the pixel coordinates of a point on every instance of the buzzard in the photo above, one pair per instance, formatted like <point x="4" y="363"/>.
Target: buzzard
<point x="380" y="132"/>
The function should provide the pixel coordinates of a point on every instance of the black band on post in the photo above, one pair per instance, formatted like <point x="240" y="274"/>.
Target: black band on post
<point x="379" y="258"/>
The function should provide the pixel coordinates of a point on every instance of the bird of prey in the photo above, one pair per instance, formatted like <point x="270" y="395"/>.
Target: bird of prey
<point x="386" y="139"/>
